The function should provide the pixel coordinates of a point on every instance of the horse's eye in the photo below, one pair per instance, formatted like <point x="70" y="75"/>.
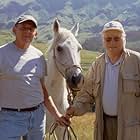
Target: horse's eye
<point x="59" y="49"/>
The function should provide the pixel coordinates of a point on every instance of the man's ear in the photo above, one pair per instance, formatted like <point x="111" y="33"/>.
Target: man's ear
<point x="13" y="30"/>
<point x="35" y="37"/>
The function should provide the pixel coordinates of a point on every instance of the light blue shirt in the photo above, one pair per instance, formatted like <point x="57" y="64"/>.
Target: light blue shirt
<point x="110" y="90"/>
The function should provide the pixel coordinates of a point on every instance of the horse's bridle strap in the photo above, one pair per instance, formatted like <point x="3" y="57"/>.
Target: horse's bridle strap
<point x="67" y="68"/>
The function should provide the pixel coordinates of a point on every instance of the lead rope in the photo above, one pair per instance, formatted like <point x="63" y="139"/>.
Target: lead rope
<point x="52" y="129"/>
<point x="71" y="95"/>
<point x="68" y="130"/>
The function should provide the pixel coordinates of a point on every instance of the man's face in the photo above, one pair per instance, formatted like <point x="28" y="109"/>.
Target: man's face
<point x="25" y="32"/>
<point x="113" y="41"/>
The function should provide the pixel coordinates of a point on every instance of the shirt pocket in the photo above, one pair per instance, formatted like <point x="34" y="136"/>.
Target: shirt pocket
<point x="132" y="123"/>
<point x="131" y="84"/>
<point x="131" y="130"/>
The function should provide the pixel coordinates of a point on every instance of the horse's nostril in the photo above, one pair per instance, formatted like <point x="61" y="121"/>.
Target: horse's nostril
<point x="76" y="79"/>
<point x="73" y="79"/>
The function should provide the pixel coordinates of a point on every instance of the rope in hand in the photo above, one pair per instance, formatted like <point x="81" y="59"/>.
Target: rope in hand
<point x="68" y="130"/>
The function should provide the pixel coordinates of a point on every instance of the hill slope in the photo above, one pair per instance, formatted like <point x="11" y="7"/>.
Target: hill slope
<point x="91" y="14"/>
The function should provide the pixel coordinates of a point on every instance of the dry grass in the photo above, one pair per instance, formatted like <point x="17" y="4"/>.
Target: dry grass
<point x="83" y="126"/>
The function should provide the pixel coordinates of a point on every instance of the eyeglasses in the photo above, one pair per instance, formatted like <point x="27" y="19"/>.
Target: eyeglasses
<point x="109" y="39"/>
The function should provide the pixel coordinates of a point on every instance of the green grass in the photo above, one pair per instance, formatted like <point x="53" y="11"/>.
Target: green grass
<point x="5" y="37"/>
<point x="87" y="57"/>
<point x="41" y="46"/>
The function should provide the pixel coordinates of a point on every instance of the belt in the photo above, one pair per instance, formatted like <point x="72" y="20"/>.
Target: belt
<point x="22" y="109"/>
<point x="109" y="116"/>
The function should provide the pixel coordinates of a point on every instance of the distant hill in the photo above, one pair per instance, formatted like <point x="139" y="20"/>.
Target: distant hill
<point x="91" y="14"/>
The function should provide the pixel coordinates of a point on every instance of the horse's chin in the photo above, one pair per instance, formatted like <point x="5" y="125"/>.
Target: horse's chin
<point x="75" y="86"/>
<point x="73" y="89"/>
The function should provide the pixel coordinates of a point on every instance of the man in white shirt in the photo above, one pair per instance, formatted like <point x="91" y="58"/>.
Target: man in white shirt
<point x="23" y="95"/>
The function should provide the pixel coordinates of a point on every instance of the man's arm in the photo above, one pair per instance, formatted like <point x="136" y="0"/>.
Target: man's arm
<point x="84" y="99"/>
<point x="52" y="108"/>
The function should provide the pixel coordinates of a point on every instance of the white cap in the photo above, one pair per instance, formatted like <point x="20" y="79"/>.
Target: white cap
<point x="113" y="25"/>
<point x="24" y="18"/>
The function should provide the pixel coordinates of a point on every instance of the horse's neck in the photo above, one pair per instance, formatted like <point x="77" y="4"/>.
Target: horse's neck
<point x="55" y="79"/>
<point x="56" y="85"/>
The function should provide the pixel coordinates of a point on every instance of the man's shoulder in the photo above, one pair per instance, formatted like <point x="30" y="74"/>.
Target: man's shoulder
<point x="33" y="48"/>
<point x="100" y="57"/>
<point x="132" y="52"/>
<point x="7" y="44"/>
<point x="133" y="55"/>
<point x="5" y="47"/>
<point x="99" y="60"/>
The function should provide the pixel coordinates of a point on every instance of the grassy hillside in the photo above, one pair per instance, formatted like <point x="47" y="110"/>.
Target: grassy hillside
<point x="5" y="36"/>
<point x="87" y="57"/>
<point x="70" y="12"/>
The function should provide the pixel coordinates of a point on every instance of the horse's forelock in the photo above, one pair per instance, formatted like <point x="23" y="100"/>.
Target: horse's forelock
<point x="60" y="37"/>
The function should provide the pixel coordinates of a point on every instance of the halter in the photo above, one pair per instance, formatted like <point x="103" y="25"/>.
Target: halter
<point x="67" y="68"/>
<point x="71" y="92"/>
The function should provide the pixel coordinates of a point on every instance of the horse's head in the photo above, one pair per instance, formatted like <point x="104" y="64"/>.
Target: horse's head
<point x="66" y="54"/>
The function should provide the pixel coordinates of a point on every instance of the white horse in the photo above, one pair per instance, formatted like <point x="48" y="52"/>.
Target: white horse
<point x="63" y="69"/>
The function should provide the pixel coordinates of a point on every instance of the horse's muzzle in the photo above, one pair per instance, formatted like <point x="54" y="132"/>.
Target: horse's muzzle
<point x="75" y="81"/>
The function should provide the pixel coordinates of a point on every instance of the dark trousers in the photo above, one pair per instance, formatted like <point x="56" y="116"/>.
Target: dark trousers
<point x="110" y="127"/>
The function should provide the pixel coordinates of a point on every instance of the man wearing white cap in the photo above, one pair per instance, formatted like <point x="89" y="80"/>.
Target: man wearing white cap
<point x="113" y="84"/>
<point x="23" y="95"/>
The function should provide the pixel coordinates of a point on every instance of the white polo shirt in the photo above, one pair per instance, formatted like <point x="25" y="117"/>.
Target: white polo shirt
<point x="20" y="74"/>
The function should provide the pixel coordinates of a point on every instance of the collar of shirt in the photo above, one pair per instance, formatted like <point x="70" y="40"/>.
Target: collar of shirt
<point x="107" y="60"/>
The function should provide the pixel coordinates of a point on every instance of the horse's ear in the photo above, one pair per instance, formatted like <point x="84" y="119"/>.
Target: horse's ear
<point x="75" y="29"/>
<point x="56" y="25"/>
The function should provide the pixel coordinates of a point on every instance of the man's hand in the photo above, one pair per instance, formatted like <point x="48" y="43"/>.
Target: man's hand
<point x="63" y="121"/>
<point x="70" y="112"/>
